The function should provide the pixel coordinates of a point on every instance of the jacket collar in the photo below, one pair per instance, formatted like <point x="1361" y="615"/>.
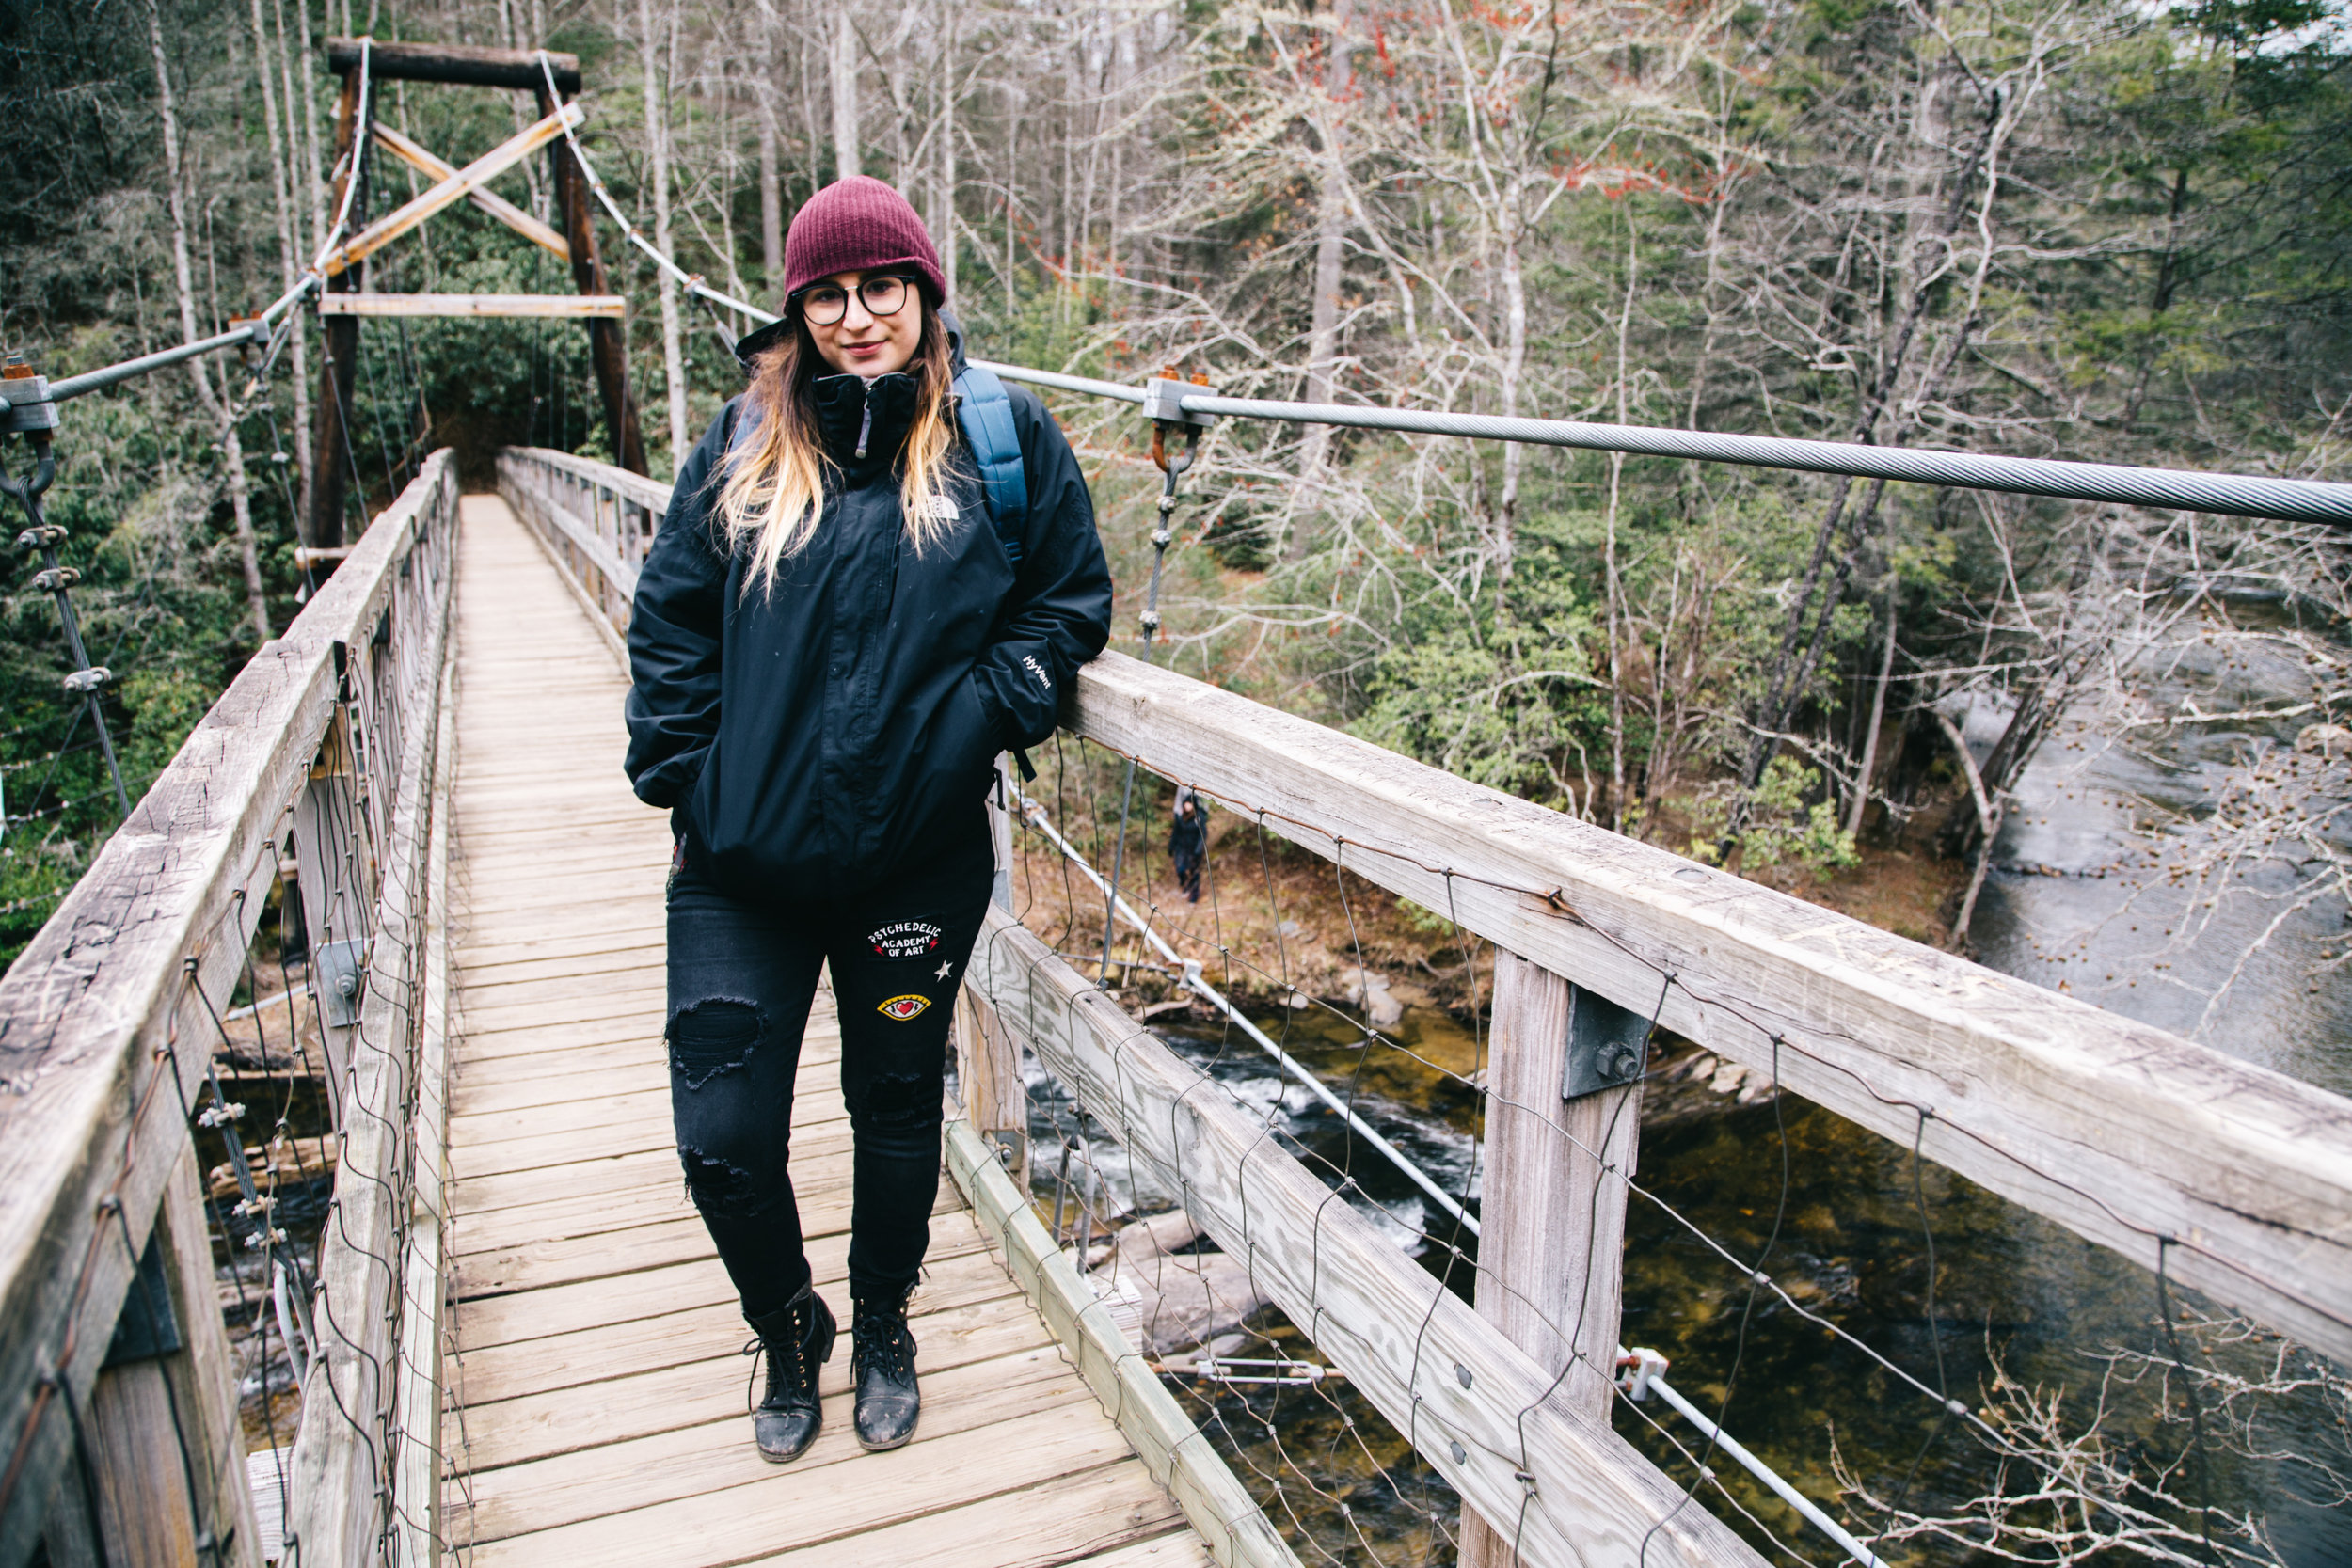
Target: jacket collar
<point x="881" y="411"/>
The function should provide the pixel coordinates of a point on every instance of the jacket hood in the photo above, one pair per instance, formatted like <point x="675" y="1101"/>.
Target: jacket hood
<point x="752" y="346"/>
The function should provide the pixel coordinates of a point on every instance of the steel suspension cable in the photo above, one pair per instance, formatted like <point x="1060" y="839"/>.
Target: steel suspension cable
<point x="2233" y="495"/>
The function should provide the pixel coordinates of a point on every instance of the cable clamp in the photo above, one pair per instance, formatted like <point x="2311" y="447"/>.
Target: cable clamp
<point x="48" y="536"/>
<point x="1164" y="395"/>
<point x="55" y="579"/>
<point x="25" y="404"/>
<point x="1635" y="1368"/>
<point x="84" y="683"/>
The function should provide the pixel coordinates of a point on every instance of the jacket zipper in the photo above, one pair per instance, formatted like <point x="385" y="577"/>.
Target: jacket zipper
<point x="866" y="422"/>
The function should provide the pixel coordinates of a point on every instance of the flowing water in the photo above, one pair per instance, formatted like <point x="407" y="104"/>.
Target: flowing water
<point x="1851" y="1221"/>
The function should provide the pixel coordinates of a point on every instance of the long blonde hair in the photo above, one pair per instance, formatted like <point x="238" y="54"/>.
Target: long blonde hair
<point x="775" y="485"/>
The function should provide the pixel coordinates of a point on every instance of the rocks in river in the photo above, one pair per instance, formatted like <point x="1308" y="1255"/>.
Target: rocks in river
<point x="1181" y="1295"/>
<point x="1743" y="1084"/>
<point x="1368" y="994"/>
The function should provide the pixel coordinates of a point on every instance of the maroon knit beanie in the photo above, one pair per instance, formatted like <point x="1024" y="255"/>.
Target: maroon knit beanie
<point x="859" y="225"/>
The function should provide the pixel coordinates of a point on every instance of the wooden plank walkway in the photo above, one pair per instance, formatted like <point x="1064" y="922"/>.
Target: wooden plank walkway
<point x="598" y="1389"/>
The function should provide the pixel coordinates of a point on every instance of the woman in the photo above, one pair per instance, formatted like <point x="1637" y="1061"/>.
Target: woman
<point x="830" y="645"/>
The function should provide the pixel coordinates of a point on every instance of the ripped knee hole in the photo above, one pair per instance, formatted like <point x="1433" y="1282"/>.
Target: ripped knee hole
<point x="718" y="1186"/>
<point x="713" y="1037"/>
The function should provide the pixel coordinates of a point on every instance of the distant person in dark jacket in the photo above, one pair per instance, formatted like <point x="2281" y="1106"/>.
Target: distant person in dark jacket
<point x="1188" y="842"/>
<point x="830" y="645"/>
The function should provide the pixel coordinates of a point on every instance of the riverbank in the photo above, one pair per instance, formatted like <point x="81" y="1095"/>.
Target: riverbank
<point x="1275" y="925"/>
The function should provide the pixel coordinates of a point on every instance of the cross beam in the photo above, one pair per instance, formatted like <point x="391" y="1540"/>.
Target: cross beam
<point x="456" y="188"/>
<point x="454" y="63"/>
<point x="489" y="201"/>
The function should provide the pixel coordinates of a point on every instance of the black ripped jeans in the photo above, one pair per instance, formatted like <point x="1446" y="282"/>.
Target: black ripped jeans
<point x="742" y="977"/>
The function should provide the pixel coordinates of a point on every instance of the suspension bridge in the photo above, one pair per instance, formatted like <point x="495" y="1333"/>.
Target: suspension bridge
<point x="396" y="866"/>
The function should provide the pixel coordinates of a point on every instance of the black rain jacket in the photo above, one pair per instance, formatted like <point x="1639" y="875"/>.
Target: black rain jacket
<point x="845" y="727"/>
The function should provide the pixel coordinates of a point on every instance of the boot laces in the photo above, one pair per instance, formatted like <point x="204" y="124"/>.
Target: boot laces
<point x="777" y="1372"/>
<point x="882" y="1340"/>
<point x="779" y="1369"/>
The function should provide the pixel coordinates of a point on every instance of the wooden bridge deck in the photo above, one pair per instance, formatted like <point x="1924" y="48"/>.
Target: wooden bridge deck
<point x="596" y="1386"/>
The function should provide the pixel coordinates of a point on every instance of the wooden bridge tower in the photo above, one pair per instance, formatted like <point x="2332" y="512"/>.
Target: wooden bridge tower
<point x="553" y="80"/>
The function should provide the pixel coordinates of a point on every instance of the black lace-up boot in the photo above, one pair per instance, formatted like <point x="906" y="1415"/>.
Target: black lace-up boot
<point x="798" y="1341"/>
<point x="883" y="1360"/>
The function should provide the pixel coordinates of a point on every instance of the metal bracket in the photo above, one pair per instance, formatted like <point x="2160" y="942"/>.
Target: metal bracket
<point x="1607" y="1045"/>
<point x="1163" y="400"/>
<point x="342" y="970"/>
<point x="1011" y="1143"/>
<point x="25" y="404"/>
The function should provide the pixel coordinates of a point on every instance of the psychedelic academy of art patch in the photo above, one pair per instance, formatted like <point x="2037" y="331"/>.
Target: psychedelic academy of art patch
<point x="903" y="938"/>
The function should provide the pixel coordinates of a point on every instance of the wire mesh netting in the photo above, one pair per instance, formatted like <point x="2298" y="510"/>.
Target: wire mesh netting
<point x="1845" y="1305"/>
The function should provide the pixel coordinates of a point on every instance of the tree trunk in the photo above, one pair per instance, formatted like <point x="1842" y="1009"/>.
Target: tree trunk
<point x="1012" y="176"/>
<point x="1877" y="713"/>
<point x="1513" y="454"/>
<point x="943" y="232"/>
<point x="269" y="53"/>
<point x="1987" y="820"/>
<point x="770" y="133"/>
<point x="658" y="150"/>
<point x="316" y="186"/>
<point x="1331" y="224"/>
<point x="1790" y="674"/>
<point x="221" y="406"/>
<point x="1614" y="585"/>
<point x="845" y="122"/>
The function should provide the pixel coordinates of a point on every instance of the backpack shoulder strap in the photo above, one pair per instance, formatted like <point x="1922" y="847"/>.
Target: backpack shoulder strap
<point x="986" y="414"/>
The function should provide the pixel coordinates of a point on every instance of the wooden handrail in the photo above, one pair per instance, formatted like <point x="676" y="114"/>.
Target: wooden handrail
<point x="2240" y="1177"/>
<point x="649" y="493"/>
<point x="104" y="1033"/>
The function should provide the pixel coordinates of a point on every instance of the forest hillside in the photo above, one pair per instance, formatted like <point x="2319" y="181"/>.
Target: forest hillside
<point x="2089" y="228"/>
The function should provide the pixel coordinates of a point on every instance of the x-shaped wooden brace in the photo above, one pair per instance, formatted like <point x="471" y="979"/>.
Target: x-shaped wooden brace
<point x="489" y="201"/>
<point x="459" y="185"/>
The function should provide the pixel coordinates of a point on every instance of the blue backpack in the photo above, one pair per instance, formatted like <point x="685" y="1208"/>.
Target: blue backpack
<point x="984" y="414"/>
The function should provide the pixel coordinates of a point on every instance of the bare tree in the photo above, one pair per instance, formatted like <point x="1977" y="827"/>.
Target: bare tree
<point x="652" y="44"/>
<point x="218" y="404"/>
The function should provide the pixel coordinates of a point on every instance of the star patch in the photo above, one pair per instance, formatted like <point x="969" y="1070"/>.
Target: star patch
<point x="903" y="938"/>
<point x="942" y="971"/>
<point x="903" y="1007"/>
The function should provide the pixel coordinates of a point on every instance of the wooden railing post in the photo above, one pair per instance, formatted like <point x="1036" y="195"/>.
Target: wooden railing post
<point x="988" y="1075"/>
<point x="1551" y="1241"/>
<point x="988" y="1055"/>
<point x="166" y="1449"/>
<point x="330" y="876"/>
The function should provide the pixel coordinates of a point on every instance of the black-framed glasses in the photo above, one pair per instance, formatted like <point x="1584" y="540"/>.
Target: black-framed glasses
<point x="823" y="304"/>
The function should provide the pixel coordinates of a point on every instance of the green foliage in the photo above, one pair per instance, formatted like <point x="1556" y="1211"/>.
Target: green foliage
<point x="1784" y="830"/>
